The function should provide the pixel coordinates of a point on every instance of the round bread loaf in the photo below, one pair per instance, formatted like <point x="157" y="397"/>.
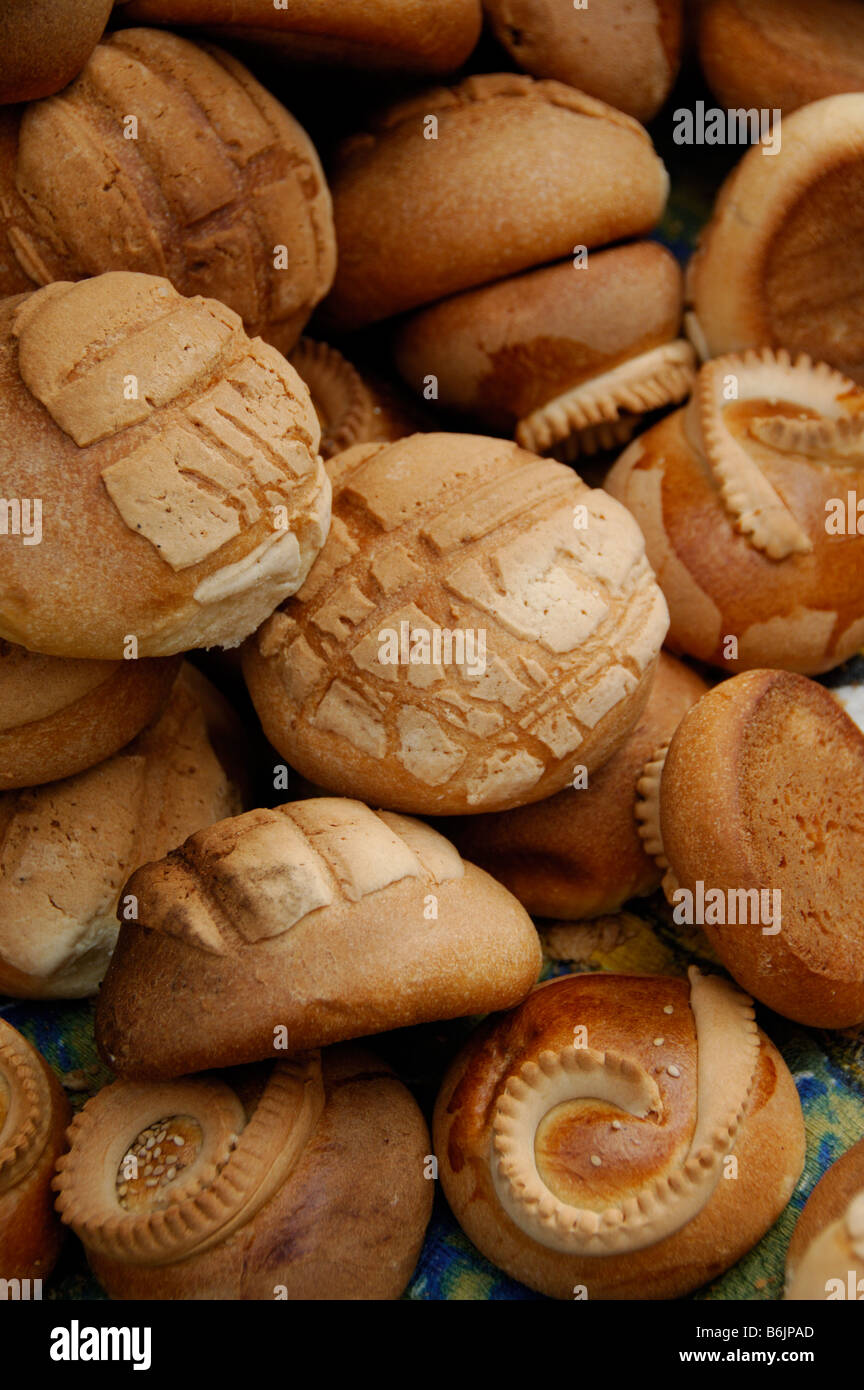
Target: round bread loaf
<point x="781" y="262"/>
<point x="478" y="622"/>
<point x="299" y="1180"/>
<point x="569" y="358"/>
<point x="825" y="1259"/>
<point x="579" y="854"/>
<point x="58" y="717"/>
<point x="350" y="408"/>
<point x="744" y="502"/>
<point x="456" y="187"/>
<point x="626" y="52"/>
<point x="762" y="849"/>
<point x="45" y="43"/>
<point x="308" y="924"/>
<point x="34" y="1114"/>
<point x="67" y="848"/>
<point x="567" y="1135"/>
<point x="171" y="463"/>
<point x="13" y="209"/>
<point x="170" y="159"/>
<point x="781" y="54"/>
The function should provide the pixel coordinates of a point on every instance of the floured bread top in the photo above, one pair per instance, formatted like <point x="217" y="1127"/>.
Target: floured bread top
<point x="25" y="1107"/>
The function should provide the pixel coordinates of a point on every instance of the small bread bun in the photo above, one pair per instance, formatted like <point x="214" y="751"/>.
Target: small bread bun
<point x="59" y="717"/>
<point x="781" y="261"/>
<point x="312" y="923"/>
<point x="176" y="472"/>
<point x="301" y="1179"/>
<point x="215" y="186"/>
<point x="45" y="44"/>
<point x="34" y="1114"/>
<point x="456" y="187"/>
<point x="584" y="1140"/>
<point x="623" y="52"/>
<point x="743" y="501"/>
<point x="350" y="408"/>
<point x="781" y="54"/>
<point x="478" y="622"/>
<point x="408" y="36"/>
<point x="579" y="854"/>
<point x="567" y="358"/>
<point x="759" y="844"/>
<point x="825" y="1259"/>
<point x="68" y="847"/>
<point x="13" y="209"/>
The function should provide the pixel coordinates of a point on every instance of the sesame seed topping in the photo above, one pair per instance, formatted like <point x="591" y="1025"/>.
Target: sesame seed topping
<point x="658" y="1042"/>
<point x="595" y="1160"/>
<point x="177" y="1140"/>
<point x="674" y="1071"/>
<point x="668" y="1009"/>
<point x="616" y="1124"/>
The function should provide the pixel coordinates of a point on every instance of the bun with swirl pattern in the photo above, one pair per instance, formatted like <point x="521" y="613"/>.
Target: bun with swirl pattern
<point x="825" y="1259"/>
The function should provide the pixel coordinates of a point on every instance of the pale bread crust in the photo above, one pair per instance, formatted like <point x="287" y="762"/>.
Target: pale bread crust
<point x="42" y="52"/>
<point x="827" y="1203"/>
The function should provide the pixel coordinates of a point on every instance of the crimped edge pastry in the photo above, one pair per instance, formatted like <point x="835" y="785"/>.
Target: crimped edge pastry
<point x="341" y="398"/>
<point x="27" y="1122"/>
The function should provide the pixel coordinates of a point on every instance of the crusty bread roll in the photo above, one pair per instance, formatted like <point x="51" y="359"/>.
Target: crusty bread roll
<point x="756" y="814"/>
<point x="34" y="1114"/>
<point x="215" y="186"/>
<point x="308" y="924"/>
<point x="67" y="848"/>
<point x="625" y="52"/>
<point x="45" y="43"/>
<point x="619" y="1137"/>
<point x="302" y="1179"/>
<point x="525" y="598"/>
<point x="512" y="174"/>
<point x="350" y="408"/>
<point x="567" y="358"/>
<point x="183" y="495"/>
<point x="58" y="717"/>
<point x="13" y="209"/>
<point x="781" y="261"/>
<point x="579" y="854"/>
<point x="825" y="1259"/>
<point x="739" y="497"/>
<point x="433" y="36"/>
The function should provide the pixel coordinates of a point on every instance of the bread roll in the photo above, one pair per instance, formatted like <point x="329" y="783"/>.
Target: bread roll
<point x="456" y="187"/>
<point x="67" y="848"/>
<point x="174" y="463"/>
<point x="567" y="1135"/>
<point x="58" y="717"/>
<point x="350" y="409"/>
<point x="825" y="1259"/>
<point x="170" y="159"/>
<point x="301" y="1179"/>
<point x="479" y="622"/>
<point x="312" y="923"/>
<point x="579" y="854"/>
<point x="626" y="52"/>
<point x="45" y="43"/>
<point x="738" y="498"/>
<point x="781" y="262"/>
<point x="34" y="1114"/>
<point x="761" y="847"/>
<point x="567" y="358"/>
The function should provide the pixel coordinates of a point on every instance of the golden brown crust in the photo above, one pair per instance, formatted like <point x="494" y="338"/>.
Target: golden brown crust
<point x="828" y="1240"/>
<point x="45" y="46"/>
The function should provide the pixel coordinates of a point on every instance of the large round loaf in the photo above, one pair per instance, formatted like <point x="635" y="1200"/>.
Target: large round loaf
<point x="45" y="43"/>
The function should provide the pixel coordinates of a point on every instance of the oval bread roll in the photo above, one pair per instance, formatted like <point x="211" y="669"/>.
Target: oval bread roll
<point x="45" y="45"/>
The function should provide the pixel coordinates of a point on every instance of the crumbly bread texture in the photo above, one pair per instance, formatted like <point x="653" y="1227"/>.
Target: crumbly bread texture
<point x="826" y="1252"/>
<point x="518" y="173"/>
<point x="34" y="1114"/>
<point x="302" y="1179"/>
<point x="312" y="923"/>
<point x="745" y="807"/>
<point x="743" y="502"/>
<point x="174" y="461"/>
<point x="579" y="854"/>
<point x="67" y="848"/>
<point x="781" y="262"/>
<point x="449" y="534"/>
<point x="45" y="43"/>
<point x="781" y="54"/>
<point x="624" y="52"/>
<point x="59" y="716"/>
<point x="212" y="180"/>
<point x="409" y="36"/>
<point x="351" y="409"/>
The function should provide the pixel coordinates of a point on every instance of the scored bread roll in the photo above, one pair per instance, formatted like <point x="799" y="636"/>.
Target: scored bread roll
<point x="825" y="1259"/>
<point x="174" y="464"/>
<point x="585" y="1140"/>
<point x="299" y="1180"/>
<point x="315" y="922"/>
<point x="45" y="43"/>
<point x="459" y="186"/>
<point x="68" y="847"/>
<point x="760" y="849"/>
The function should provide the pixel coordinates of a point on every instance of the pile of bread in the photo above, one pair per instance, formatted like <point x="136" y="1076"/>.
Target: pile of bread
<point x="490" y="689"/>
